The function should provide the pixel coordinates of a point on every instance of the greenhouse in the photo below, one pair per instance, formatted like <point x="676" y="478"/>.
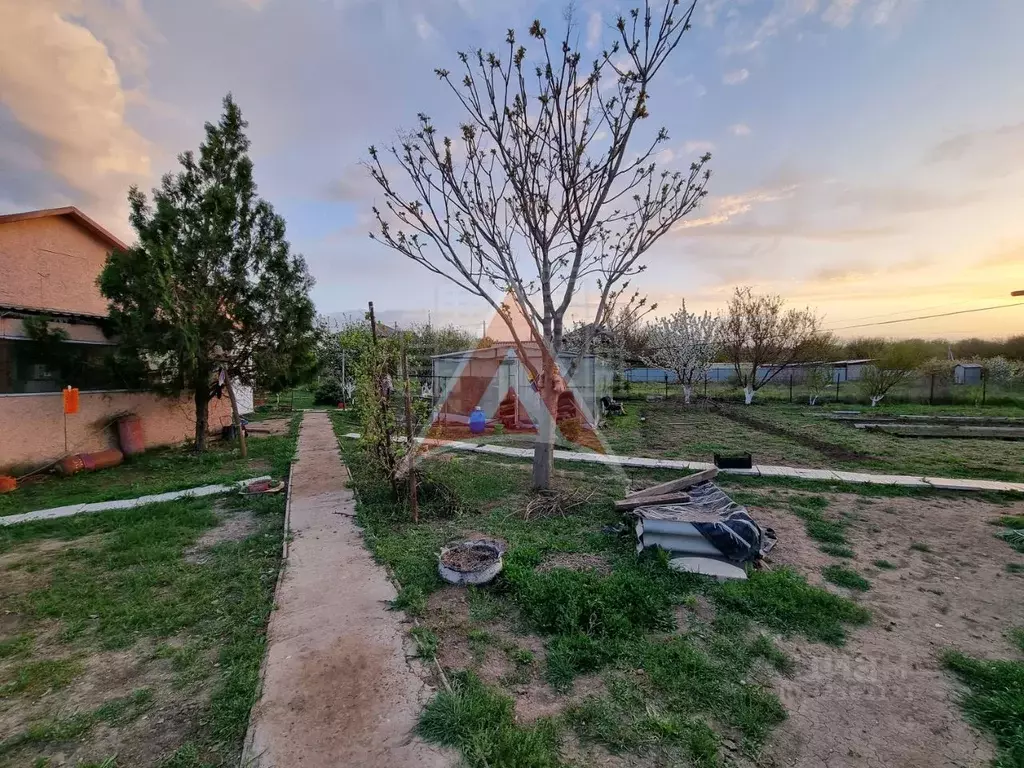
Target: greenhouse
<point x="492" y="377"/>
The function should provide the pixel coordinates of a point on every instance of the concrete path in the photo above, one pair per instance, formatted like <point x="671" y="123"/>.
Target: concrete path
<point x="339" y="686"/>
<point x="141" y="501"/>
<point x="759" y="470"/>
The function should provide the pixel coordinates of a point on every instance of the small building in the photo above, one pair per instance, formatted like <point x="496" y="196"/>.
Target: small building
<point x="968" y="373"/>
<point x="49" y="262"/>
<point x="484" y="377"/>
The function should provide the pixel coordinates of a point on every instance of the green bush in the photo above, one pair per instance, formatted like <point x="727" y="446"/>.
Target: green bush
<point x="329" y="392"/>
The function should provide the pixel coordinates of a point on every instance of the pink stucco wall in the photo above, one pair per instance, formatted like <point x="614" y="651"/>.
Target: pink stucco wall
<point x="32" y="426"/>
<point x="51" y="263"/>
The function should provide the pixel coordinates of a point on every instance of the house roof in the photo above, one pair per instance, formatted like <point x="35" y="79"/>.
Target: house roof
<point x="71" y="212"/>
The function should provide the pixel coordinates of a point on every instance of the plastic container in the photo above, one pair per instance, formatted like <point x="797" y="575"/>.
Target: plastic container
<point x="130" y="435"/>
<point x="479" y="575"/>
<point x="477" y="421"/>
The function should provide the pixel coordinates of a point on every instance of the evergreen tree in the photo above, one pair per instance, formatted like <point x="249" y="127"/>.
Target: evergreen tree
<point x="211" y="284"/>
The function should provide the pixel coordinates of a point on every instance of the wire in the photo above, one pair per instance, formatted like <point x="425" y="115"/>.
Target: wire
<point x="929" y="317"/>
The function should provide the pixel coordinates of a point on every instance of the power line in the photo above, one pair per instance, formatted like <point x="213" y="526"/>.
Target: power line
<point x="929" y="317"/>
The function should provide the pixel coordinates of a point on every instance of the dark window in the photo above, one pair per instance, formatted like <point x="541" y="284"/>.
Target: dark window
<point x="89" y="367"/>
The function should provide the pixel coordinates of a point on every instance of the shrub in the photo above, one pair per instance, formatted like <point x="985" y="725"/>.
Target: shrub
<point x="329" y="392"/>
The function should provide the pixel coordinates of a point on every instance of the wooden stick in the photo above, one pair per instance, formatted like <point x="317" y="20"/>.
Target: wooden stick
<point x="410" y="444"/>
<point x="644" y="501"/>
<point x="677" y="485"/>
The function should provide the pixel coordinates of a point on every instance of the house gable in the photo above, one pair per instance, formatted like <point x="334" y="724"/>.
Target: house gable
<point x="49" y="261"/>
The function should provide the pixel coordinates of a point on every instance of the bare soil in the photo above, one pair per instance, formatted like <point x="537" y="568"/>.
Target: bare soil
<point x="883" y="699"/>
<point x="233" y="526"/>
<point x="469" y="558"/>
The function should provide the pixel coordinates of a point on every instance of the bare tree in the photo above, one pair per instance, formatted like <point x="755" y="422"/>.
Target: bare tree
<point x="762" y="337"/>
<point x="685" y="343"/>
<point x="620" y="337"/>
<point x="820" y="378"/>
<point x="548" y="186"/>
<point x="893" y="364"/>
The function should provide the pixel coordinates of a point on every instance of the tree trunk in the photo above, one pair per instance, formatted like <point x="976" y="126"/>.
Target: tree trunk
<point x="748" y="394"/>
<point x="687" y="393"/>
<point x="544" y="445"/>
<point x="813" y="400"/>
<point x="875" y="400"/>
<point x="202" y="401"/>
<point x="236" y="419"/>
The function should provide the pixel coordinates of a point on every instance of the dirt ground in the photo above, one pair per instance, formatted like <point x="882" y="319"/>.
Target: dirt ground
<point x="880" y="701"/>
<point x="883" y="699"/>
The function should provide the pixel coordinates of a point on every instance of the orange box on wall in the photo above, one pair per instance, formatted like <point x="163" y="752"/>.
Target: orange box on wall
<point x="70" y="400"/>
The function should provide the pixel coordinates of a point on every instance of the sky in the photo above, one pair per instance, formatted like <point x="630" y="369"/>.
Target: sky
<point x="867" y="155"/>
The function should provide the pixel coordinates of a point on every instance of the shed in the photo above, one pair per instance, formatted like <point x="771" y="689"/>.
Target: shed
<point x="483" y="377"/>
<point x="968" y="373"/>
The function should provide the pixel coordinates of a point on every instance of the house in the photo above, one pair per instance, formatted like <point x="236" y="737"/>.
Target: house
<point x="968" y="373"/>
<point x="49" y="263"/>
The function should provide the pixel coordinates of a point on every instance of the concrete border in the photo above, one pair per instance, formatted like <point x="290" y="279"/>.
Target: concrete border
<point x="758" y="470"/>
<point x="245" y="759"/>
<point x="55" y="513"/>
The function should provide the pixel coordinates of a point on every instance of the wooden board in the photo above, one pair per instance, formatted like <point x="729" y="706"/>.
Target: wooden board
<point x="677" y="485"/>
<point x="644" y="501"/>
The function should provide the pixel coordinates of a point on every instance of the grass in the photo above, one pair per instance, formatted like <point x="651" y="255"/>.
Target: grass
<point x="604" y="623"/>
<point x="156" y="471"/>
<point x="128" y="582"/>
<point x="919" y="546"/>
<point x="884" y="565"/>
<point x="114" y="712"/>
<point x="798" y="435"/>
<point x="846" y="577"/>
<point x="837" y="550"/>
<point x="38" y="677"/>
<point x="994" y="702"/>
<point x="480" y="722"/>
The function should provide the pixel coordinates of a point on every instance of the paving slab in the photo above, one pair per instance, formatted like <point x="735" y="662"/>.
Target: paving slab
<point x="340" y="685"/>
<point x="762" y="470"/>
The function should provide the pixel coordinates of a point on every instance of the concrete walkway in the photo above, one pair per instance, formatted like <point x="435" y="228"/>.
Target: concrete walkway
<point x="141" y="501"/>
<point x="759" y="470"/>
<point x="339" y="687"/>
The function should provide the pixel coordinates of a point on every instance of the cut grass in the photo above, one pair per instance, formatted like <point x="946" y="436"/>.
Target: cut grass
<point x="784" y="601"/>
<point x="480" y="722"/>
<point x="837" y="550"/>
<point x="132" y="583"/>
<point x="156" y="471"/>
<point x="114" y="712"/>
<point x="846" y="577"/>
<point x="38" y="677"/>
<point x="607" y="623"/>
<point x="994" y="702"/>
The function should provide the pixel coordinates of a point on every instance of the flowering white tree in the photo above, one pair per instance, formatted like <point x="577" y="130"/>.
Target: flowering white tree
<point x="686" y="344"/>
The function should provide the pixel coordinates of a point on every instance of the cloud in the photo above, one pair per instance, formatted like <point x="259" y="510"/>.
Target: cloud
<point x="725" y="208"/>
<point x="594" y="30"/>
<point x="424" y="28"/>
<point x="698" y="147"/>
<point x="61" y="84"/>
<point x="960" y="146"/>
<point x="739" y="129"/>
<point x="736" y="77"/>
<point x="840" y="12"/>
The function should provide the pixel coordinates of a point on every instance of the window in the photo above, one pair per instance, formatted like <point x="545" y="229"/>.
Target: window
<point x="88" y="367"/>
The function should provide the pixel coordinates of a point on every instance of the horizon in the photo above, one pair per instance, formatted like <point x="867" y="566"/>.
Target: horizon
<point x="854" y="172"/>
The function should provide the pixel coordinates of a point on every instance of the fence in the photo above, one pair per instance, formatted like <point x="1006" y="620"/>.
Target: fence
<point x="932" y="389"/>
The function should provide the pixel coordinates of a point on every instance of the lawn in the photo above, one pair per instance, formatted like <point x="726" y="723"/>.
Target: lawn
<point x="798" y="435"/>
<point x="135" y="637"/>
<point x="582" y="653"/>
<point x="156" y="471"/>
